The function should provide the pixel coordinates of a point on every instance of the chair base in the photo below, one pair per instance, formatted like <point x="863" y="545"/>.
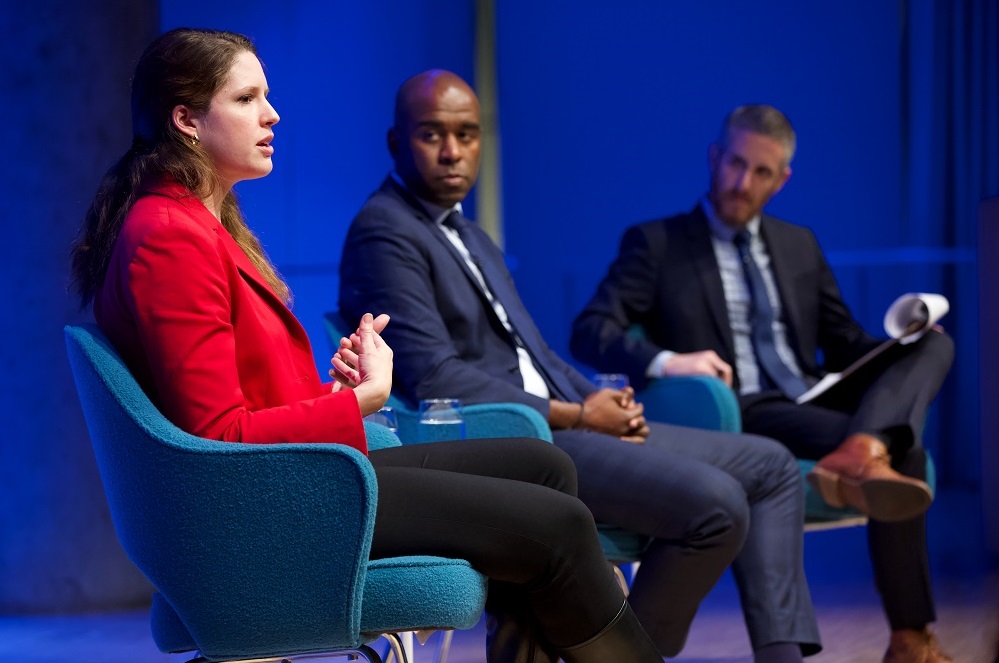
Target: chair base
<point x="362" y="652"/>
<point x="401" y="645"/>
<point x="859" y="520"/>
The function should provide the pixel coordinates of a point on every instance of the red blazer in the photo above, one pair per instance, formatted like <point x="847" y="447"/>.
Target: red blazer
<point x="209" y="341"/>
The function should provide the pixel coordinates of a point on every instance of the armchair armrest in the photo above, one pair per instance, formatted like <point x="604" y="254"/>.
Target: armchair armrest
<point x="379" y="437"/>
<point x="505" y="420"/>
<point x="484" y="420"/>
<point x="218" y="526"/>
<point x="698" y="401"/>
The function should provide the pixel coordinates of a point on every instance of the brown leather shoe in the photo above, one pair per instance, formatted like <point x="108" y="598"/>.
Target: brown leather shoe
<point x="858" y="474"/>
<point x="912" y="646"/>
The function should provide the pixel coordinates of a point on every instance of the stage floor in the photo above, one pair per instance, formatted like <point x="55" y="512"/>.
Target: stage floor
<point x="852" y="625"/>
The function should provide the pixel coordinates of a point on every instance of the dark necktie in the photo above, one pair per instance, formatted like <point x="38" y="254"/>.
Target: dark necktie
<point x="773" y="371"/>
<point x="525" y="333"/>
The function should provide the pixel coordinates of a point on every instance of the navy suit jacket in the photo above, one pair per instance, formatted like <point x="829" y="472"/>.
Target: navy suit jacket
<point x="666" y="279"/>
<point x="447" y="339"/>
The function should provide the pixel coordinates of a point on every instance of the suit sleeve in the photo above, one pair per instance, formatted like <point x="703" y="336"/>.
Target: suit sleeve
<point x="386" y="269"/>
<point x="841" y="337"/>
<point x="178" y="286"/>
<point x="601" y="333"/>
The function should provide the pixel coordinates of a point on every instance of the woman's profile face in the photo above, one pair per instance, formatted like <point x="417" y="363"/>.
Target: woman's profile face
<point x="237" y="129"/>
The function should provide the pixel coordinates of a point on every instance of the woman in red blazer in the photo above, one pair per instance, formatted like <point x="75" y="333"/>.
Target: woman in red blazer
<point x="183" y="289"/>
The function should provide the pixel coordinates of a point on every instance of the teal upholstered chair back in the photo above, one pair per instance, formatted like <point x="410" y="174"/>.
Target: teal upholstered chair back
<point x="255" y="550"/>
<point x="220" y="528"/>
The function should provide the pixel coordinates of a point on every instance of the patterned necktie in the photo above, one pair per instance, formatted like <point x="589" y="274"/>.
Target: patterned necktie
<point x="525" y="333"/>
<point x="773" y="371"/>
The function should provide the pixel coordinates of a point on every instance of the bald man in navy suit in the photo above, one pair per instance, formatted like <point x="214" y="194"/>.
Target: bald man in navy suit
<point x="459" y="329"/>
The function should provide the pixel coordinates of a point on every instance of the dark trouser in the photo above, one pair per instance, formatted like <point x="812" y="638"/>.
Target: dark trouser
<point x="891" y="402"/>
<point x="508" y="507"/>
<point x="703" y="496"/>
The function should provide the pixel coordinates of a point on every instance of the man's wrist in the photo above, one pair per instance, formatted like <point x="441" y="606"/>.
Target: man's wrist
<point x="657" y="367"/>
<point x="562" y="415"/>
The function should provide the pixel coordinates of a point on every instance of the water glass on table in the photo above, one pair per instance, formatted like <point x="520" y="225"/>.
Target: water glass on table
<point x="615" y="381"/>
<point x="440" y="419"/>
<point x="386" y="417"/>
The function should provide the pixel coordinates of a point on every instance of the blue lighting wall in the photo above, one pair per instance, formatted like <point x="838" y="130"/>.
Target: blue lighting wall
<point x="606" y="111"/>
<point x="64" y="84"/>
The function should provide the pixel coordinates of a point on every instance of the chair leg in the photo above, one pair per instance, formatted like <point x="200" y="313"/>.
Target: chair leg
<point x="398" y="647"/>
<point x="444" y="646"/>
<point x="621" y="580"/>
<point x="408" y="645"/>
<point x="367" y="652"/>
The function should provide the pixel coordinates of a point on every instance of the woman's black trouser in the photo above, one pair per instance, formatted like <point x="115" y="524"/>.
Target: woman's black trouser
<point x="508" y="506"/>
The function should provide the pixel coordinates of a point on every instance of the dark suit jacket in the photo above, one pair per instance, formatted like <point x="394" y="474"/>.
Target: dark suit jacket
<point x="448" y="341"/>
<point x="666" y="280"/>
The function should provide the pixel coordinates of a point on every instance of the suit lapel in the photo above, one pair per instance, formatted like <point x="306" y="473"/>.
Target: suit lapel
<point x="392" y="188"/>
<point x="171" y="189"/>
<point x="496" y="278"/>
<point x="256" y="281"/>
<point x="699" y="246"/>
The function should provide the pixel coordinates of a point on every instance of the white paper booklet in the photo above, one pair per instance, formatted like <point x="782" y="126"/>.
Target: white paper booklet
<point x="906" y="320"/>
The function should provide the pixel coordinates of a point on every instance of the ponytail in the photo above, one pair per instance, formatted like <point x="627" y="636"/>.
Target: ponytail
<point x="91" y="253"/>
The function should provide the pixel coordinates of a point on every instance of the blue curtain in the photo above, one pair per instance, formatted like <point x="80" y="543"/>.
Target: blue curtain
<point x="950" y="162"/>
<point x="950" y="98"/>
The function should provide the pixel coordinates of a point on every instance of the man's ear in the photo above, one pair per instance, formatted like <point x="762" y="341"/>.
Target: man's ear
<point x="184" y="120"/>
<point x="392" y="141"/>
<point x="785" y="176"/>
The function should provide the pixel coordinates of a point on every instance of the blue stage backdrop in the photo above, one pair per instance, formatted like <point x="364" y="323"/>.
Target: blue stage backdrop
<point x="606" y="114"/>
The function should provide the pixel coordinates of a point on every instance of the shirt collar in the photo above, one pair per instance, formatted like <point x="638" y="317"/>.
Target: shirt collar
<point x="720" y="229"/>
<point x="436" y="212"/>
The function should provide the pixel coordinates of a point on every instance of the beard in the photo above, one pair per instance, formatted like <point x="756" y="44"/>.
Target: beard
<point x="735" y="208"/>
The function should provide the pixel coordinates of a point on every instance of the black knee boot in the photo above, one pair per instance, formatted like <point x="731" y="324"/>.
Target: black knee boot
<point x="515" y="638"/>
<point x="623" y="639"/>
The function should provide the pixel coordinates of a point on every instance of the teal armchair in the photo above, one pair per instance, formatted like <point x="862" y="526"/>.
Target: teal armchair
<point x="256" y="551"/>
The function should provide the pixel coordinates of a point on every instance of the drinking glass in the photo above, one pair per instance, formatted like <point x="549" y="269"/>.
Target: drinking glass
<point x="616" y="381"/>
<point x="440" y="419"/>
<point x="386" y="417"/>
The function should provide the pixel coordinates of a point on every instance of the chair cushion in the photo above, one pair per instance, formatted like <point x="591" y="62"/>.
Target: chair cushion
<point x="380" y="437"/>
<point x="445" y="593"/>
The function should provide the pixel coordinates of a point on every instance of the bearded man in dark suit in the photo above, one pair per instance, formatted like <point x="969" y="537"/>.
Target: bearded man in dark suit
<point x="727" y="290"/>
